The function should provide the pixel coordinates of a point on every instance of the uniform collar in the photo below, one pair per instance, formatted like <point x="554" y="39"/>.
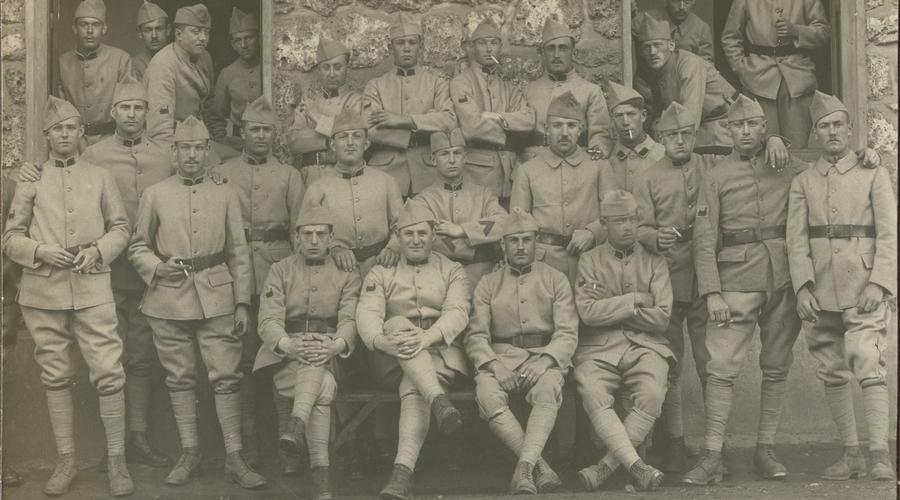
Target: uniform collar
<point x="418" y="262"/>
<point x="192" y="182"/>
<point x="453" y="187"/>
<point x="356" y="173"/>
<point x="558" y="78"/>
<point x="87" y="56"/>
<point x="573" y="159"/>
<point x="487" y="70"/>
<point x="253" y="160"/>
<point x="843" y="165"/>
<point x="331" y="94"/>
<point x="621" y="254"/>
<point x="183" y="54"/>
<point x="63" y="163"/>
<point x="744" y="157"/>
<point x="128" y="143"/>
<point x="642" y="149"/>
<point x="519" y="271"/>
<point x="314" y="262"/>
<point x="681" y="163"/>
<point x="406" y="71"/>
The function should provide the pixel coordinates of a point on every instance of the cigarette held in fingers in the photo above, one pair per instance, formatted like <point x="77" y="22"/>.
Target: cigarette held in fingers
<point x="724" y="324"/>
<point x="675" y="230"/>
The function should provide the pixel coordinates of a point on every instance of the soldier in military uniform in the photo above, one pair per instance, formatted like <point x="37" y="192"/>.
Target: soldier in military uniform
<point x="240" y="83"/>
<point x="307" y="323"/>
<point x="521" y="339"/>
<point x="271" y="194"/>
<point x="768" y="45"/>
<point x="409" y="317"/>
<point x="65" y="230"/>
<point x="308" y="137"/>
<point x="490" y="112"/>
<point x="466" y="213"/>
<point x="10" y="317"/>
<point x="153" y="29"/>
<point x="556" y="51"/>
<point x="189" y="248"/>
<point x="404" y="106"/>
<point x="689" y="32"/>
<point x="88" y="73"/>
<point x="634" y="151"/>
<point x="842" y="248"/>
<point x="561" y="189"/>
<point x="624" y="299"/>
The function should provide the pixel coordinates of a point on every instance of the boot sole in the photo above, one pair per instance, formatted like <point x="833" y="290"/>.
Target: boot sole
<point x="778" y="476"/>
<point x="289" y="447"/>
<point x="654" y="482"/>
<point x="548" y="487"/>
<point x="389" y="495"/>
<point x="846" y="477"/>
<point x="194" y="473"/>
<point x="451" y="423"/>
<point x="586" y="482"/>
<point x="234" y="479"/>
<point x="716" y="479"/>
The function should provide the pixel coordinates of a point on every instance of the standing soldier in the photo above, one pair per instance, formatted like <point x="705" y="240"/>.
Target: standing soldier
<point x="522" y="336"/>
<point x="153" y="29"/>
<point x="410" y="316"/>
<point x="240" y="83"/>
<point x="561" y="189"/>
<point x="768" y="45"/>
<point x="308" y="137"/>
<point x="689" y="32"/>
<point x="667" y="196"/>
<point x="635" y="151"/>
<point x="307" y="323"/>
<point x="271" y="194"/>
<point x="9" y="316"/>
<point x="88" y="73"/>
<point x="843" y="267"/>
<point x="65" y="230"/>
<point x="490" y="110"/>
<point x="405" y="106"/>
<point x="624" y="298"/>
<point x="465" y="212"/>
<point x="189" y="248"/>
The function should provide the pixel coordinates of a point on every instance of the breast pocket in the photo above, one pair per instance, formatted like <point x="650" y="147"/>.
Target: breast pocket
<point x="220" y="278"/>
<point x="733" y="254"/>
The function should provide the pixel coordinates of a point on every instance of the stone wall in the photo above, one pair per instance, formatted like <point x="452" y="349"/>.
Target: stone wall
<point x="12" y="50"/>
<point x="881" y="55"/>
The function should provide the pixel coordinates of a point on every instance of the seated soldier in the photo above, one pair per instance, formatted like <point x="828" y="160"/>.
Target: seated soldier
<point x="525" y="349"/>
<point x="307" y="321"/>
<point x="624" y="297"/>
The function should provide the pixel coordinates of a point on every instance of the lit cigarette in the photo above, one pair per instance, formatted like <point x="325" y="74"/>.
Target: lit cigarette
<point x="496" y="61"/>
<point x="630" y="135"/>
<point x="676" y="232"/>
<point x="186" y="275"/>
<point x="593" y="286"/>
<point x="724" y="324"/>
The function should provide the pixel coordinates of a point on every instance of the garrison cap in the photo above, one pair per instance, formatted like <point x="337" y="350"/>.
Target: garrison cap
<point x="149" y="11"/>
<point x="191" y="129"/>
<point x="444" y="139"/>
<point x="260" y="111"/>
<point x="617" y="203"/>
<point x="195" y="15"/>
<point x="486" y="29"/>
<point x="823" y="105"/>
<point x="329" y="49"/>
<point x="348" y="120"/>
<point x="91" y="8"/>
<point x="566" y="106"/>
<point x="312" y="214"/>
<point x="743" y="108"/>
<point x="554" y="30"/>
<point x="129" y="89"/>
<point x="675" y="117"/>
<point x="654" y="29"/>
<point x="242" y="21"/>
<point x="398" y="324"/>
<point x="405" y="26"/>
<point x="413" y="214"/>
<point x="518" y="221"/>
<point x="57" y="111"/>
<point x="620" y="94"/>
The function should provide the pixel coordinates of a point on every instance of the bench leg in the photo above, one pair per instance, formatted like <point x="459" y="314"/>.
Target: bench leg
<point x="358" y="418"/>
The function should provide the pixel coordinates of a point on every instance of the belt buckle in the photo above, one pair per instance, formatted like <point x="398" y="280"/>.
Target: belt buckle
<point x="831" y="232"/>
<point x="318" y="161"/>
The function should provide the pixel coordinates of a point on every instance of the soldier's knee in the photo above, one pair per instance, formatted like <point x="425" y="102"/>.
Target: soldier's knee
<point x="226" y="384"/>
<point x="833" y="377"/>
<point x="110" y="383"/>
<point x="328" y="390"/>
<point x="650" y="399"/>
<point x="547" y="390"/>
<point x="490" y="402"/>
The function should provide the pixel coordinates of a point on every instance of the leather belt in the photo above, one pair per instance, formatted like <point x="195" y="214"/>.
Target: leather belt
<point x="366" y="252"/>
<point x="99" y="128"/>
<point x="77" y="248"/>
<point x="831" y="231"/>
<point x="202" y="262"/>
<point x="318" y="158"/>
<point x="753" y="235"/>
<point x="476" y="144"/>
<point x="305" y="324"/>
<point x="779" y="51"/>
<point x="525" y="340"/>
<point x="553" y="239"/>
<point x="687" y="233"/>
<point x="483" y="253"/>
<point x="271" y="234"/>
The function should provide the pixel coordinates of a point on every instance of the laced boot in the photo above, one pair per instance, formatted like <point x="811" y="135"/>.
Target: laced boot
<point x="592" y="477"/>
<point x="399" y="487"/>
<point x="647" y="477"/>
<point x="139" y="451"/>
<point x="321" y="484"/>
<point x="188" y="466"/>
<point x="62" y="476"/>
<point x="708" y="469"/>
<point x="120" y="483"/>
<point x="882" y="466"/>
<point x="523" y="480"/>
<point x="851" y="465"/>
<point x="545" y="478"/>
<point x="448" y="417"/>
<point x="766" y="463"/>
<point x="237" y="470"/>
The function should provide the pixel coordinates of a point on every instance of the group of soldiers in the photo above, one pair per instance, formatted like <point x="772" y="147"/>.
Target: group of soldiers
<point x="437" y="231"/>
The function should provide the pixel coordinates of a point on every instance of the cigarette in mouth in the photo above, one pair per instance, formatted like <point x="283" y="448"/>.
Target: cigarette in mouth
<point x="496" y="61"/>
<point x="630" y="135"/>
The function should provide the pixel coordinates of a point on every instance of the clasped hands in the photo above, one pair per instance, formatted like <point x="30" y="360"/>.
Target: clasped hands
<point x="314" y="349"/>
<point x="525" y="376"/>
<point x="406" y="344"/>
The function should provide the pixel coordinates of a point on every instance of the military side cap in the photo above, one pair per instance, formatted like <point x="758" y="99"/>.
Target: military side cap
<point x="260" y="111"/>
<point x="190" y="129"/>
<point x="129" y="89"/>
<point x="348" y="120"/>
<point x="566" y="106"/>
<point x="675" y="117"/>
<point x="329" y="49"/>
<point x="195" y="15"/>
<point x="242" y="21"/>
<point x="91" y="8"/>
<point x="57" y="111"/>
<point x="413" y="214"/>
<point x="654" y="29"/>
<point x="823" y="105"/>
<point x="743" y="108"/>
<point x="149" y="11"/>
<point x="518" y="221"/>
<point x="486" y="29"/>
<point x="617" y="203"/>
<point x="405" y="26"/>
<point x="398" y="324"/>
<point x="554" y="30"/>
<point x="444" y="139"/>
<point x="619" y="94"/>
<point x="312" y="214"/>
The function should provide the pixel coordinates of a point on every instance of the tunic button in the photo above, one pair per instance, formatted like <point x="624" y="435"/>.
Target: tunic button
<point x="69" y="189"/>
<point x="194" y="210"/>
<point x="256" y="186"/>
<point x="71" y="231"/>
<point x="194" y="191"/>
<point x="522" y="301"/>
<point x="314" y="289"/>
<point x="836" y="250"/>
<point x="195" y="231"/>
<point x="71" y="210"/>
<point x="196" y="252"/>
<point x="359" y="237"/>
<point x="833" y="210"/>
<point x="139" y="172"/>
<point x="355" y="183"/>
<point x="358" y="219"/>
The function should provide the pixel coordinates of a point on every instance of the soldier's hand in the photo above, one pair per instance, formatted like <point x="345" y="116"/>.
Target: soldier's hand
<point x="508" y="379"/>
<point x="597" y="153"/>
<point x="387" y="257"/>
<point x="290" y="347"/>
<point x="388" y="119"/>
<point x="533" y="369"/>
<point x="333" y="346"/>
<point x="665" y="238"/>
<point x="718" y="309"/>
<point x="86" y="259"/>
<point x="29" y="172"/>
<point x="581" y="241"/>
<point x="807" y="305"/>
<point x="870" y="158"/>
<point x="593" y="291"/>
<point x="449" y="229"/>
<point x="389" y="344"/>
<point x="495" y="117"/>
<point x="344" y="258"/>
<point x="777" y="154"/>
<point x="54" y="255"/>
<point x="870" y="299"/>
<point x="643" y="299"/>
<point x="785" y="29"/>
<point x="172" y="269"/>
<point x="241" y="319"/>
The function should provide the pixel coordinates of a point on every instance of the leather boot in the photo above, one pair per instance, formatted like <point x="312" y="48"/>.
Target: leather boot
<point x="851" y="465"/>
<point x="289" y="464"/>
<point x="448" y="417"/>
<point x="522" y="482"/>
<point x="293" y="441"/>
<point x="321" y="484"/>
<point x="62" y="476"/>
<point x="400" y="486"/>
<point x="139" y="451"/>
<point x="708" y="469"/>
<point x="120" y="483"/>
<point x="647" y="477"/>
<point x="237" y="470"/>
<point x="766" y="463"/>
<point x="545" y="478"/>
<point x="188" y="466"/>
<point x="250" y="450"/>
<point x="882" y="466"/>
<point x="592" y="477"/>
<point x="10" y="478"/>
<point x="674" y="455"/>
